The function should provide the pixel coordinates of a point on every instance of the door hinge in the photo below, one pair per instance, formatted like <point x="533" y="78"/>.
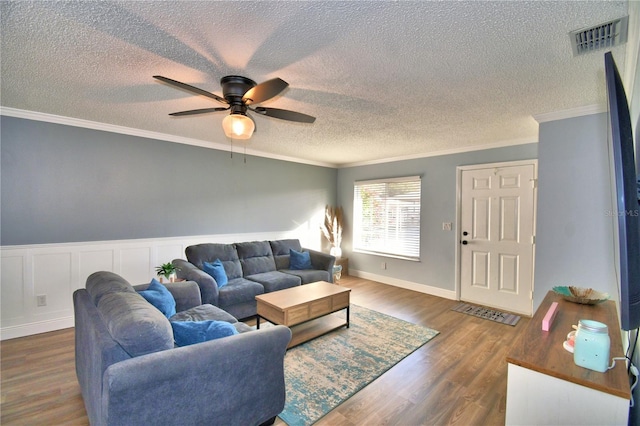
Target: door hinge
<point x="534" y="183"/>
<point x="533" y="239"/>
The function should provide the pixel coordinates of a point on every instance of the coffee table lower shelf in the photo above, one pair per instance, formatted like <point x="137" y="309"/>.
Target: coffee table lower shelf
<point x="309" y="330"/>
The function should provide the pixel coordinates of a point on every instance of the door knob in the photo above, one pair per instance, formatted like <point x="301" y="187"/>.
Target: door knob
<point x="464" y="242"/>
<point x="465" y="233"/>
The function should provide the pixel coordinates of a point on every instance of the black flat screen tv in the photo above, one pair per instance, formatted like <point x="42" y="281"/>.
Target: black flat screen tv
<point x="627" y="207"/>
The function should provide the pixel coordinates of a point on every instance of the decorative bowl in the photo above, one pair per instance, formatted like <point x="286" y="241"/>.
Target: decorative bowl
<point x="584" y="296"/>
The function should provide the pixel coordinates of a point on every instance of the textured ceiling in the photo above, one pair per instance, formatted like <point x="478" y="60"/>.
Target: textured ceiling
<point x="384" y="79"/>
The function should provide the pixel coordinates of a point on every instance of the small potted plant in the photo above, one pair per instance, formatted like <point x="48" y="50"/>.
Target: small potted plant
<point x="167" y="270"/>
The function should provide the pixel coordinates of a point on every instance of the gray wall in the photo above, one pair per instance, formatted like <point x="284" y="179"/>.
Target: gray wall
<point x="437" y="247"/>
<point x="68" y="184"/>
<point x="575" y="242"/>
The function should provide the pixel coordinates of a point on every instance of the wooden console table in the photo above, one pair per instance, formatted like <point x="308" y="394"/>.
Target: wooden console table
<point x="545" y="386"/>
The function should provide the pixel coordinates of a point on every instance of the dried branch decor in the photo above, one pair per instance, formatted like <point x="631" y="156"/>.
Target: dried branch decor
<point x="332" y="226"/>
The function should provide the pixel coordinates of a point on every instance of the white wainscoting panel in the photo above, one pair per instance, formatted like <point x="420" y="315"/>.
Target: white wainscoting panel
<point x="53" y="278"/>
<point x="135" y="262"/>
<point x="57" y="270"/>
<point x="95" y="259"/>
<point x="13" y="278"/>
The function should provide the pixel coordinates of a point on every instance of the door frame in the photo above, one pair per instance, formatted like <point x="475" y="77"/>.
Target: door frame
<point x="459" y="170"/>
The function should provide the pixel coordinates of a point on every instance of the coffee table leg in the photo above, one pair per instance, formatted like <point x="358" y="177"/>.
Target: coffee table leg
<point x="257" y="322"/>
<point x="348" y="306"/>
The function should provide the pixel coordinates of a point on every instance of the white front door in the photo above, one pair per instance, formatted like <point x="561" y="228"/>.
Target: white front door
<point x="496" y="235"/>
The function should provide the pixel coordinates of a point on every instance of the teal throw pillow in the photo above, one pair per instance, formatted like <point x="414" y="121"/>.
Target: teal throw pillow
<point x="160" y="297"/>
<point x="191" y="332"/>
<point x="216" y="270"/>
<point x="299" y="260"/>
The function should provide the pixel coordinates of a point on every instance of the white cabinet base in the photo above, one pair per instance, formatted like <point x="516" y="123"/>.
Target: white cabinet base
<point x="538" y="399"/>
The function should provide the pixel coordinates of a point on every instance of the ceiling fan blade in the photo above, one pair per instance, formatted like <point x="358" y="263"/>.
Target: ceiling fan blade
<point x="190" y="88"/>
<point x="284" y="114"/>
<point x="197" y="111"/>
<point x="264" y="91"/>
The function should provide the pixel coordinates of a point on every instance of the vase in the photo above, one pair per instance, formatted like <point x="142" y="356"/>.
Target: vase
<point x="335" y="251"/>
<point x="171" y="278"/>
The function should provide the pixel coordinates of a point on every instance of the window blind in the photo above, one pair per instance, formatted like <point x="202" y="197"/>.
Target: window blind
<point x="387" y="217"/>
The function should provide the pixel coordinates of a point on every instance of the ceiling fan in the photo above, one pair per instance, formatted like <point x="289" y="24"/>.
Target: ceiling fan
<point x="240" y="93"/>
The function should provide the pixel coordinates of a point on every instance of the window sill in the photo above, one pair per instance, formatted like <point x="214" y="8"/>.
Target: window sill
<point x="389" y="255"/>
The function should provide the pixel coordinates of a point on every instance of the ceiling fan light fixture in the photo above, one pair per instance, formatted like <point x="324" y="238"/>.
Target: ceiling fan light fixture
<point x="238" y="126"/>
<point x="239" y="93"/>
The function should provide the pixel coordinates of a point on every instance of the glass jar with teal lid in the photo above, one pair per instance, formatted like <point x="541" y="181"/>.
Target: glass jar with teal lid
<point x="592" y="345"/>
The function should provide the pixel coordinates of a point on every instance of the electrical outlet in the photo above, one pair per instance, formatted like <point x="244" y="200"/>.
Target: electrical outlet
<point x="446" y="226"/>
<point x="41" y="300"/>
<point x="383" y="265"/>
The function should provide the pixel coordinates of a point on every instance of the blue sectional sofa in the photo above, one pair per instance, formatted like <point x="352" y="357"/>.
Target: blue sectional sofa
<point x="251" y="268"/>
<point x="130" y="372"/>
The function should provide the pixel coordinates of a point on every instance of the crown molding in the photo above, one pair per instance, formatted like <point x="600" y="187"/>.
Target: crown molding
<point x="112" y="128"/>
<point x="94" y="125"/>
<point x="462" y="150"/>
<point x="570" y="113"/>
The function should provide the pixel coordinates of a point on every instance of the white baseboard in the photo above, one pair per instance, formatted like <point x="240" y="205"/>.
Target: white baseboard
<point x="13" y="332"/>
<point x="409" y="285"/>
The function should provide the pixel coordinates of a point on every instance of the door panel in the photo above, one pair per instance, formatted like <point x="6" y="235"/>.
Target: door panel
<point x="497" y="212"/>
<point x="481" y="218"/>
<point x="480" y="269"/>
<point x="509" y="273"/>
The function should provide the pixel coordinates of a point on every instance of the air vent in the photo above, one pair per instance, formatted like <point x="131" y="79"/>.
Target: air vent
<point x="602" y="36"/>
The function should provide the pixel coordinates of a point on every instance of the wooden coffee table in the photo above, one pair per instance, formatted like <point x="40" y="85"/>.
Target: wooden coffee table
<point x="307" y="307"/>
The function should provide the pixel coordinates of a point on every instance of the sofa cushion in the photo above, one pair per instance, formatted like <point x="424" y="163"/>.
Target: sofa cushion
<point x="202" y="313"/>
<point x="137" y="326"/>
<point x="255" y="257"/>
<point x="280" y="249"/>
<point x="275" y="280"/>
<point x="160" y="297"/>
<point x="188" y="333"/>
<point x="104" y="282"/>
<point x="216" y="270"/>
<point x="299" y="260"/>
<point x="239" y="290"/>
<point x="210" y="312"/>
<point x="200" y="253"/>
<point x="309" y="275"/>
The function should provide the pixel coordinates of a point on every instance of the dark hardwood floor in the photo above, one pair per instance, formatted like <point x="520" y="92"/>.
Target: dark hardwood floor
<point x="459" y="377"/>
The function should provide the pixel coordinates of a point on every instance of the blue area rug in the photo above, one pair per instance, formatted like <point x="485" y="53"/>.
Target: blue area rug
<point x="326" y="371"/>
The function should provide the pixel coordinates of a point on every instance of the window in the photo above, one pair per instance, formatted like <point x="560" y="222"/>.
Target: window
<point x="387" y="217"/>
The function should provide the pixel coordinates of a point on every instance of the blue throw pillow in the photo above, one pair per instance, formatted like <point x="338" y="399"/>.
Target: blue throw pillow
<point x="160" y="297"/>
<point x="191" y="332"/>
<point x="216" y="270"/>
<point x="299" y="260"/>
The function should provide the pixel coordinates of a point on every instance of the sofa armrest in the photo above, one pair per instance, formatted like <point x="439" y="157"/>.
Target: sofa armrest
<point x="186" y="294"/>
<point x="322" y="261"/>
<point x="208" y="285"/>
<point x="236" y="380"/>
